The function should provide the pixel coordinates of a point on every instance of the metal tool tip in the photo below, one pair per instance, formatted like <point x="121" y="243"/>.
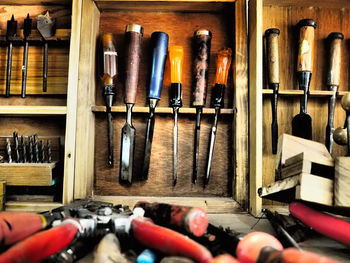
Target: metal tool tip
<point x="28" y="16"/>
<point x="12" y="18"/>
<point x="174" y="182"/>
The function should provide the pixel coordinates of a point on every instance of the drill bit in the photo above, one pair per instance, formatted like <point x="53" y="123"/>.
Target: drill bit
<point x="49" y="151"/>
<point x="26" y="32"/>
<point x="23" y="150"/>
<point x="30" y="148"/>
<point x="8" y="150"/>
<point x="15" y="141"/>
<point x="42" y="151"/>
<point x="10" y="32"/>
<point x="36" y="148"/>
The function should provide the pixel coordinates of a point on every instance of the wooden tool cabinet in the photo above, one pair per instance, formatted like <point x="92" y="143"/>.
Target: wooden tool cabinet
<point x="242" y="157"/>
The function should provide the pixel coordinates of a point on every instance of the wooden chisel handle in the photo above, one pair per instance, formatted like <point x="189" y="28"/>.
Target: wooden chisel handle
<point x="272" y="48"/>
<point x="306" y="44"/>
<point x="335" y="42"/>
<point x="133" y="34"/>
<point x="202" y="43"/>
<point x="176" y="56"/>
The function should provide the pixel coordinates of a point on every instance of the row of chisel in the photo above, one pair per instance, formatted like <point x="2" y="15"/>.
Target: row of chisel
<point x="159" y="53"/>
<point x="46" y="28"/>
<point x="28" y="151"/>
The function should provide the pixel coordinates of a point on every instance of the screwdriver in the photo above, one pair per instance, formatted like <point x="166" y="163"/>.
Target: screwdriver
<point x="27" y="28"/>
<point x="223" y="63"/>
<point x="11" y="31"/>
<point x="202" y="42"/>
<point x="176" y="55"/>
<point x="159" y="44"/>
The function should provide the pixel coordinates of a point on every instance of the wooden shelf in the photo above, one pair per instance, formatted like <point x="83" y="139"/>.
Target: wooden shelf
<point x="31" y="206"/>
<point x="33" y="110"/>
<point x="313" y="93"/>
<point x="162" y="110"/>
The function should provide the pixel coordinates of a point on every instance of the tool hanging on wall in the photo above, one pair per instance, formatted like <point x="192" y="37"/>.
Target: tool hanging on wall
<point x="302" y="122"/>
<point x="133" y="34"/>
<point x="108" y="73"/>
<point x="46" y="28"/>
<point x="11" y="31"/>
<point x="223" y="63"/>
<point x="272" y="54"/>
<point x="27" y="28"/>
<point x="333" y="78"/>
<point x="176" y="55"/>
<point x="159" y="44"/>
<point x="202" y="43"/>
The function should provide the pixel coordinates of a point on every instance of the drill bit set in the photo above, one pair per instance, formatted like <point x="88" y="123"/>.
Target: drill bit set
<point x="27" y="149"/>
<point x="160" y="51"/>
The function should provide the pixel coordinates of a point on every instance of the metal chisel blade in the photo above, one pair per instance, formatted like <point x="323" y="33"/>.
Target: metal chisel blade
<point x="127" y="153"/>
<point x="148" y="145"/>
<point x="175" y="148"/>
<point x="196" y="145"/>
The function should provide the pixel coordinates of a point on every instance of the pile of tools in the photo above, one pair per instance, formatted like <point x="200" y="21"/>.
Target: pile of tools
<point x="159" y="52"/>
<point x="28" y="149"/>
<point x="46" y="29"/>
<point x="302" y="122"/>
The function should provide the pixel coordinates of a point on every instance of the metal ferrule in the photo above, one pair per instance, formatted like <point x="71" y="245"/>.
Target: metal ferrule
<point x="109" y="93"/>
<point x="218" y="96"/>
<point x="175" y="95"/>
<point x="202" y="32"/>
<point x="153" y="103"/>
<point x="128" y="113"/>
<point x="134" y="28"/>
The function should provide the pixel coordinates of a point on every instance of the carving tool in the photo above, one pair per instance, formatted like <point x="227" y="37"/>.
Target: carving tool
<point x="272" y="48"/>
<point x="49" y="151"/>
<point x="133" y="35"/>
<point x="333" y="77"/>
<point x="159" y="44"/>
<point x="23" y="150"/>
<point x="302" y="122"/>
<point x="27" y="28"/>
<point x="202" y="43"/>
<point x="176" y="55"/>
<point x="46" y="28"/>
<point x="11" y="31"/>
<point x="15" y="141"/>
<point x="223" y="63"/>
<point x="8" y="150"/>
<point x="108" y="73"/>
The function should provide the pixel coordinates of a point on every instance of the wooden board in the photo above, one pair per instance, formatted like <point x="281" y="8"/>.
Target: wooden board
<point x="305" y="166"/>
<point x="342" y="182"/>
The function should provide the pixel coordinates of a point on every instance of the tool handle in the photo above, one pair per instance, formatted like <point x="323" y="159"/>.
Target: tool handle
<point x="272" y="50"/>
<point x="335" y="41"/>
<point x="201" y="49"/>
<point x="306" y="44"/>
<point x="159" y="44"/>
<point x="133" y="34"/>
<point x="176" y="55"/>
<point x="168" y="241"/>
<point x="109" y="57"/>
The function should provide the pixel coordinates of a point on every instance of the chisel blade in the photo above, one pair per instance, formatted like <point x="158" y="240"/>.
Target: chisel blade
<point x="148" y="146"/>
<point x="127" y="153"/>
<point x="302" y="126"/>
<point x="197" y="133"/>
<point x="175" y="148"/>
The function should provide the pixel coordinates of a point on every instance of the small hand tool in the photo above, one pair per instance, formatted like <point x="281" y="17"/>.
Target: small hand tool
<point x="108" y="73"/>
<point x="15" y="141"/>
<point x="36" y="148"/>
<point x="42" y="151"/>
<point x="345" y="103"/>
<point x="302" y="122"/>
<point x="202" y="43"/>
<point x="133" y="35"/>
<point x="23" y="150"/>
<point x="30" y="149"/>
<point x="10" y="32"/>
<point x="49" y="151"/>
<point x="27" y="28"/>
<point x="333" y="78"/>
<point x="223" y="63"/>
<point x="159" y="44"/>
<point x="176" y="55"/>
<point x="272" y="48"/>
<point x="8" y="150"/>
<point x="46" y="28"/>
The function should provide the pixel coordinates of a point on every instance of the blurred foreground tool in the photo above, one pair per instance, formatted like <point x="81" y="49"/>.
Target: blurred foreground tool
<point x="272" y="53"/>
<point x="159" y="46"/>
<point x="133" y="36"/>
<point x="223" y="63"/>
<point x="108" y="70"/>
<point x="193" y="220"/>
<point x="333" y="78"/>
<point x="27" y="28"/>
<point x="11" y="31"/>
<point x="46" y="28"/>
<point x="146" y="256"/>
<point x="176" y="56"/>
<point x="202" y="43"/>
<point x="302" y="122"/>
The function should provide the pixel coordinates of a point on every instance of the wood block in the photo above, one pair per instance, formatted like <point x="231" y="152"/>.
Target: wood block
<point x="290" y="146"/>
<point x="29" y="174"/>
<point x="304" y="186"/>
<point x="342" y="182"/>
<point x="297" y="164"/>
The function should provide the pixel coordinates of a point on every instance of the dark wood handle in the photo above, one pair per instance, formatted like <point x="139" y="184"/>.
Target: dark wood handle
<point x="202" y="43"/>
<point x="133" y="36"/>
<point x="335" y="42"/>
<point x="306" y="44"/>
<point x="272" y="50"/>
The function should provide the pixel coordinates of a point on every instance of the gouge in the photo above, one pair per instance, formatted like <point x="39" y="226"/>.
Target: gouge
<point x="302" y="122"/>
<point x="27" y="28"/>
<point x="272" y="53"/>
<point x="108" y="73"/>
<point x="202" y="42"/>
<point x="223" y="63"/>
<point x="159" y="45"/>
<point x="333" y="77"/>
<point x="11" y="31"/>
<point x="176" y="55"/>
<point x="133" y="35"/>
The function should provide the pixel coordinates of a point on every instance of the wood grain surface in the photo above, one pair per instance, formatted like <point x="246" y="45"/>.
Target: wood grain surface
<point x="285" y="17"/>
